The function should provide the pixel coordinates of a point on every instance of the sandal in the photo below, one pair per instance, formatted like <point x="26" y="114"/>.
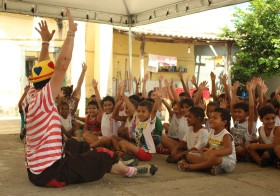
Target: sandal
<point x="183" y="166"/>
<point x="215" y="170"/>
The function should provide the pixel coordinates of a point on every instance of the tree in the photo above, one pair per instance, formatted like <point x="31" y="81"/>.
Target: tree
<point x="257" y="33"/>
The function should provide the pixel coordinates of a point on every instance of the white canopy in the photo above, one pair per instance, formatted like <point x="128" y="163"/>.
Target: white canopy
<point x="116" y="12"/>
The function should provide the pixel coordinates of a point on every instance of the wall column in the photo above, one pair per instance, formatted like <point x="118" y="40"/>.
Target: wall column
<point x="103" y="64"/>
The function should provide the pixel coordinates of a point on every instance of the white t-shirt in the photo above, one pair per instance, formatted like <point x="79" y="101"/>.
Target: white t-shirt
<point x="173" y="131"/>
<point x="143" y="135"/>
<point x="266" y="139"/>
<point x="183" y="128"/>
<point x="66" y="123"/>
<point x="216" y="142"/>
<point x="109" y="126"/>
<point x="198" y="139"/>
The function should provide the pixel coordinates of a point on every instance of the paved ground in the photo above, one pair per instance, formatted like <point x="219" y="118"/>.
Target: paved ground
<point x="248" y="179"/>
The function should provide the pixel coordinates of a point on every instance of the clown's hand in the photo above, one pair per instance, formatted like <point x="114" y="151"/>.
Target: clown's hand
<point x="46" y="35"/>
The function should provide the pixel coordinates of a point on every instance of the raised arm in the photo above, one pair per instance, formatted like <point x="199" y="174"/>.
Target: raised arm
<point x="64" y="57"/>
<point x="224" y="79"/>
<point x="46" y="38"/>
<point x="194" y="82"/>
<point x="97" y="95"/>
<point x="136" y="86"/>
<point x="159" y="94"/>
<point x="213" y="86"/>
<point x="166" y="83"/>
<point x="201" y="87"/>
<point x="144" y="81"/>
<point x="185" y="85"/>
<point x="233" y="96"/>
<point x="250" y="88"/>
<point x="77" y="91"/>
<point x="115" y="113"/>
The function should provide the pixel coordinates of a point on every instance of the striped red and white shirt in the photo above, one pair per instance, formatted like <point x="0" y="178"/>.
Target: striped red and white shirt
<point x="43" y="130"/>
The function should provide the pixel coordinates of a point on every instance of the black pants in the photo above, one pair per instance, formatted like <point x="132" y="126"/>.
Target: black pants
<point x="87" y="167"/>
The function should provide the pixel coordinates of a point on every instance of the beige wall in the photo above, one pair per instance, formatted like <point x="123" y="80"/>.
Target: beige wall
<point x="121" y="52"/>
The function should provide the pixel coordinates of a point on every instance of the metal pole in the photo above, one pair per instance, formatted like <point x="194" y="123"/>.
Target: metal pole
<point x="130" y="59"/>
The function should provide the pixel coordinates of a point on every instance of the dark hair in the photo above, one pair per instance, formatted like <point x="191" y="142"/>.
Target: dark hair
<point x="150" y="93"/>
<point x="135" y="97"/>
<point x="274" y="102"/>
<point x="266" y="110"/>
<point x="150" y="100"/>
<point x="63" y="103"/>
<point x="134" y="103"/>
<point x="241" y="106"/>
<point x="185" y="94"/>
<point x="189" y="102"/>
<point x="40" y="85"/>
<point x="272" y="95"/>
<point x="222" y="95"/>
<point x="67" y="90"/>
<point x="147" y="104"/>
<point x="108" y="98"/>
<point x="213" y="103"/>
<point x="225" y="115"/>
<point x="93" y="103"/>
<point x="198" y="113"/>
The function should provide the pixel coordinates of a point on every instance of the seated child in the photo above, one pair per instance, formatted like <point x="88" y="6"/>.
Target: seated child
<point x="244" y="118"/>
<point x="195" y="138"/>
<point x="146" y="113"/>
<point x="220" y="155"/>
<point x="211" y="106"/>
<point x="269" y="137"/>
<point x="68" y="126"/>
<point x="92" y="127"/>
<point x="125" y="131"/>
<point x="109" y="126"/>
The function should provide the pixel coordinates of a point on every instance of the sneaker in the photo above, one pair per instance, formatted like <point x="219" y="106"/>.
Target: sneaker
<point x="132" y="162"/>
<point x="217" y="170"/>
<point x="146" y="170"/>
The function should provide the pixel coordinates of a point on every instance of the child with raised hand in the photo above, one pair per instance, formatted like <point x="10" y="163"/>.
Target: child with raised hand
<point x="68" y="127"/>
<point x="145" y="124"/>
<point x="177" y="133"/>
<point x="219" y="156"/>
<point x="269" y="137"/>
<point x="211" y="106"/>
<point x="195" y="138"/>
<point x="126" y="130"/>
<point x="109" y="126"/>
<point x="244" y="121"/>
<point x="92" y="127"/>
<point x="73" y="97"/>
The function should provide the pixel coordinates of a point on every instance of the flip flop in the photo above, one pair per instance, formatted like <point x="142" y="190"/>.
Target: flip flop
<point x="183" y="166"/>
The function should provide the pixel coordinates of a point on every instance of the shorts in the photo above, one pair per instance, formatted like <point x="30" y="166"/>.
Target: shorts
<point x="228" y="164"/>
<point x="142" y="155"/>
<point x="86" y="167"/>
<point x="271" y="153"/>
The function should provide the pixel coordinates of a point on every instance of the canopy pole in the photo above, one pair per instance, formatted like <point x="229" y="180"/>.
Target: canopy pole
<point x="131" y="89"/>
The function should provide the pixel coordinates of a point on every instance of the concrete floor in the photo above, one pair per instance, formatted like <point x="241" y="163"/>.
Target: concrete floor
<point x="248" y="179"/>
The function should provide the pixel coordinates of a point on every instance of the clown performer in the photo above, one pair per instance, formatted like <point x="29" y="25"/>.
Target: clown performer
<point x="46" y="164"/>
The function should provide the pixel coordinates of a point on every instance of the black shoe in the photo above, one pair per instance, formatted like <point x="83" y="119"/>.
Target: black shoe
<point x="146" y="170"/>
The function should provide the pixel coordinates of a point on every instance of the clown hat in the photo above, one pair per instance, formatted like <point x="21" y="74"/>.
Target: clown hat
<point x="41" y="71"/>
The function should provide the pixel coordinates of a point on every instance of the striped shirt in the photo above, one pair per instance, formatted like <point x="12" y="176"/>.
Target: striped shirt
<point x="43" y="131"/>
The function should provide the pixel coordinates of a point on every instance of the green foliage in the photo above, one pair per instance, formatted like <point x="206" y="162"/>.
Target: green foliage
<point x="257" y="33"/>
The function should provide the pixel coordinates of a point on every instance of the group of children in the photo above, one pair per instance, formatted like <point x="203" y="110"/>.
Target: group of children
<point x="123" y="130"/>
<point x="131" y="126"/>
